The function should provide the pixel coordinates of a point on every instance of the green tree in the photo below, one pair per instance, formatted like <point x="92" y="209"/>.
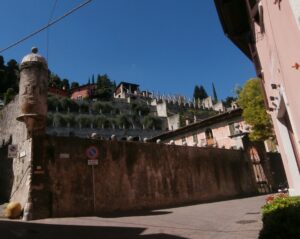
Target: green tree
<point x="103" y="82"/>
<point x="1" y="62"/>
<point x="104" y="87"/>
<point x="202" y="93"/>
<point x="214" y="93"/>
<point x="9" y="95"/>
<point x="55" y="81"/>
<point x="196" y="94"/>
<point x="251" y="101"/>
<point x="152" y="122"/>
<point x="65" y="84"/>
<point x="12" y="74"/>
<point x="93" y="79"/>
<point x="9" y="77"/>
<point x="227" y="102"/>
<point x="74" y="85"/>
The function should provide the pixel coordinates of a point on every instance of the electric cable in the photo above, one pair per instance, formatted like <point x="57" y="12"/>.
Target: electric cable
<point x="46" y="26"/>
<point x="48" y="30"/>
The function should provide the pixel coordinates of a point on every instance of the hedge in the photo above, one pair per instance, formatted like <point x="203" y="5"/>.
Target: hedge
<point x="281" y="218"/>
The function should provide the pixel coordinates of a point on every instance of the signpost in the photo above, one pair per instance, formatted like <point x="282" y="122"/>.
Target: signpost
<point x="93" y="162"/>
<point x="92" y="153"/>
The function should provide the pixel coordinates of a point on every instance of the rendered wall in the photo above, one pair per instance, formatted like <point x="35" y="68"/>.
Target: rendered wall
<point x="131" y="176"/>
<point x="14" y="173"/>
<point x="279" y="52"/>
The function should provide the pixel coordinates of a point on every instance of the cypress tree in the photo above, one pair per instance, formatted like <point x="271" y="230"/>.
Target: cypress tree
<point x="214" y="93"/>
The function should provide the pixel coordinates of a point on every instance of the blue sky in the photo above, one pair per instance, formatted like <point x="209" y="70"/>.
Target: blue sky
<point x="164" y="45"/>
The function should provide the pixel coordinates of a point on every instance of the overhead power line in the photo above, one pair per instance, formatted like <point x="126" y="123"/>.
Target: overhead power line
<point x="48" y="29"/>
<point x="46" y="26"/>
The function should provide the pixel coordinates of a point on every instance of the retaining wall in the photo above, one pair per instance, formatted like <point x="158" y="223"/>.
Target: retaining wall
<point x="131" y="176"/>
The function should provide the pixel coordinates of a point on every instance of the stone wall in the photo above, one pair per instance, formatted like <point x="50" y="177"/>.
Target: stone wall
<point x="131" y="176"/>
<point x="14" y="173"/>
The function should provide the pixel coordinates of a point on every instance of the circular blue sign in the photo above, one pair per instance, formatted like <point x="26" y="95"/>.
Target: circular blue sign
<point x="92" y="152"/>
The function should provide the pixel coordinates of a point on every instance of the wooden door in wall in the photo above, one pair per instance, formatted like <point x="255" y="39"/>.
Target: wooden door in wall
<point x="260" y="176"/>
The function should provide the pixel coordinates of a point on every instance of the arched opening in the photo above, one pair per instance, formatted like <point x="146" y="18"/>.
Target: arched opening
<point x="209" y="137"/>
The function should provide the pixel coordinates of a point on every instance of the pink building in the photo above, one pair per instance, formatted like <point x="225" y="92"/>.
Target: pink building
<point x="225" y="130"/>
<point x="268" y="32"/>
<point x="83" y="92"/>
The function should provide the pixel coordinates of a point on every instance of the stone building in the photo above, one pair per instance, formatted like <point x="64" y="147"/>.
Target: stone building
<point x="268" y="32"/>
<point x="125" y="90"/>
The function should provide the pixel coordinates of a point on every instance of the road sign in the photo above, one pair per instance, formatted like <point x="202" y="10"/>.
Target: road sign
<point x="93" y="162"/>
<point x="12" y="151"/>
<point x="92" y="152"/>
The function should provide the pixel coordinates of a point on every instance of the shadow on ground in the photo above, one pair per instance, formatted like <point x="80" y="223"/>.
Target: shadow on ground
<point x="134" y="213"/>
<point x="17" y="230"/>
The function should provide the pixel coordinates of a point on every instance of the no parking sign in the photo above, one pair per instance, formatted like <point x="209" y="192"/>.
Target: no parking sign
<point x="92" y="153"/>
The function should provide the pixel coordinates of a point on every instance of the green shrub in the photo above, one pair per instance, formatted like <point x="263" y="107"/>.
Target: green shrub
<point x="142" y="109"/>
<point x="104" y="107"/>
<point x="101" y="121"/>
<point x="281" y="218"/>
<point x="151" y="122"/>
<point x="68" y="104"/>
<point x="83" y="107"/>
<point x="84" y="120"/>
<point x="124" y="121"/>
<point x="53" y="103"/>
<point x="70" y="119"/>
<point x="59" y="120"/>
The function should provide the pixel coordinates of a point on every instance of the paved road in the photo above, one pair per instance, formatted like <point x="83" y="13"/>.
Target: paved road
<point x="232" y="219"/>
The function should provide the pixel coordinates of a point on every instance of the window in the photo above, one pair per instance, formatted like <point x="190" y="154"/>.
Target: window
<point x="231" y="129"/>
<point x="208" y="133"/>
<point x="195" y="138"/>
<point x="183" y="140"/>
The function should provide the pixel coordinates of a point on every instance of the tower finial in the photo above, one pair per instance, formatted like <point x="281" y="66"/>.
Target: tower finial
<point x="34" y="50"/>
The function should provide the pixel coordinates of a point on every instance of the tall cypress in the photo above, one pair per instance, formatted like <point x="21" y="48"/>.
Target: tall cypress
<point x="203" y="94"/>
<point x="214" y="93"/>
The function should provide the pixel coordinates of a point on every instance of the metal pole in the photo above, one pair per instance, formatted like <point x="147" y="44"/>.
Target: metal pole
<point x="94" y="194"/>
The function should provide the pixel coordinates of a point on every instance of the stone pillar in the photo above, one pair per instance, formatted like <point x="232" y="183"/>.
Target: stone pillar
<point x="33" y="93"/>
<point x="33" y="112"/>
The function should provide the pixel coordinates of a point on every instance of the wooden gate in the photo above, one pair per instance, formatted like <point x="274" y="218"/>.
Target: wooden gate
<point x="260" y="176"/>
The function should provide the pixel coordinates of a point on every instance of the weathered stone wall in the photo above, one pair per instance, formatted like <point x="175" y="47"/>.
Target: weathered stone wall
<point x="131" y="176"/>
<point x="14" y="173"/>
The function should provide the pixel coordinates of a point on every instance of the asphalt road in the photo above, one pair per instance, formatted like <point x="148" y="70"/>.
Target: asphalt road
<point x="232" y="219"/>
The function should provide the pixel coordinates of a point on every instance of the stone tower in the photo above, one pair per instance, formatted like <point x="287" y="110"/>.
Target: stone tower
<point x="33" y="92"/>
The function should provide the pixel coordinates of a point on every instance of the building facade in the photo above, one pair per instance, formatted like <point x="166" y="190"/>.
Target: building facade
<point x="225" y="130"/>
<point x="83" y="92"/>
<point x="125" y="90"/>
<point x="268" y="32"/>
